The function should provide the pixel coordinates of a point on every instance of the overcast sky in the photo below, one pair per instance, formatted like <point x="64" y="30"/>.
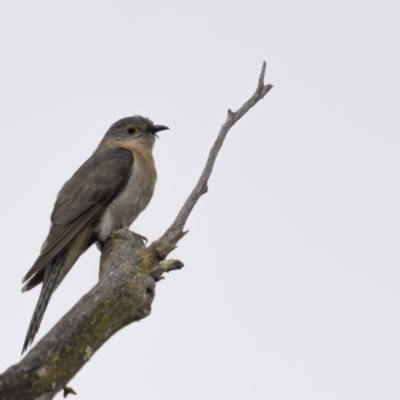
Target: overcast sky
<point x="291" y="282"/>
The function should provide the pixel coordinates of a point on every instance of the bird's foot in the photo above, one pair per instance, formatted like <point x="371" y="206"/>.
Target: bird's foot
<point x="143" y="238"/>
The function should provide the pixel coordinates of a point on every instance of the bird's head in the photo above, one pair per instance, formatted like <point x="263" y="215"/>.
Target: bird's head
<point x="137" y="129"/>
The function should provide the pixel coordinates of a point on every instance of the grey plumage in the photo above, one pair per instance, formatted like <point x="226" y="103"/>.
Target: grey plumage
<point x="50" y="275"/>
<point x="107" y="192"/>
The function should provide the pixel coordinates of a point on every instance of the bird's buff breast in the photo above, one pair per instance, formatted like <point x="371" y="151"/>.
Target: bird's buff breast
<point x="133" y="199"/>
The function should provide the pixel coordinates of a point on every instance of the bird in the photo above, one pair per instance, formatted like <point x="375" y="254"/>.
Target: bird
<point x="106" y="193"/>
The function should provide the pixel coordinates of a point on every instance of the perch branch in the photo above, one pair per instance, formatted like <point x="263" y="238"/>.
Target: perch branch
<point x="124" y="294"/>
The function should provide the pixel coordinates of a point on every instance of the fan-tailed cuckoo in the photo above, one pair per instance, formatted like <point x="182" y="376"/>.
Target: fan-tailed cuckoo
<point x="107" y="192"/>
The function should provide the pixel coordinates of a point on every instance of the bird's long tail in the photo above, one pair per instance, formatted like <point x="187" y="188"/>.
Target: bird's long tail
<point x="52" y="271"/>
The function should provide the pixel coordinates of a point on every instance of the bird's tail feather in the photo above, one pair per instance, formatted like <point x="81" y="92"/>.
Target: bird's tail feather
<point x="52" y="271"/>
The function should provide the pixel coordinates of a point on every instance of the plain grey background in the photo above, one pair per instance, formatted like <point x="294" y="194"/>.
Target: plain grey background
<point x="290" y="289"/>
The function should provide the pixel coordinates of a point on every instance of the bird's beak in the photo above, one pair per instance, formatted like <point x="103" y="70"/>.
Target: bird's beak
<point x="158" y="128"/>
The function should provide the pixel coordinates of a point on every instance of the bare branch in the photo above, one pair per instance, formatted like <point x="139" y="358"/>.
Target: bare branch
<point x="124" y="294"/>
<point x="175" y="232"/>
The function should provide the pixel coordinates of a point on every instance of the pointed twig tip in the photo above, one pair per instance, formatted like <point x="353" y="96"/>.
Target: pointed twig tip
<point x="263" y="69"/>
<point x="262" y="75"/>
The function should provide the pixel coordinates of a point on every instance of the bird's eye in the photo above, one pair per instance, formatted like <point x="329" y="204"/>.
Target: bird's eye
<point x="131" y="129"/>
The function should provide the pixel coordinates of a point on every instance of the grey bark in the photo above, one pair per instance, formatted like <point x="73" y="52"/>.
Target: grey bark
<point x="124" y="293"/>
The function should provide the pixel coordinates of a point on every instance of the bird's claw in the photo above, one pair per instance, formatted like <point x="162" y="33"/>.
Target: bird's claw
<point x="143" y="238"/>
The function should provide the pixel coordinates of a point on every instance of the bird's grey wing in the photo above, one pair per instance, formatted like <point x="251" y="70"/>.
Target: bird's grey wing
<point x="79" y="203"/>
<point x="83" y="199"/>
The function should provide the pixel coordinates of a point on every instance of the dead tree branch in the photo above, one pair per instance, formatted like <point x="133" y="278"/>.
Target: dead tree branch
<point x="124" y="294"/>
<point x="175" y="232"/>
